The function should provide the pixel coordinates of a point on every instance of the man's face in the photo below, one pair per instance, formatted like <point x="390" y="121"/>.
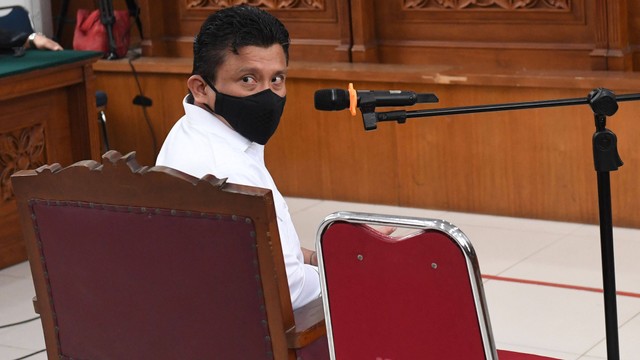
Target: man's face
<point x="254" y="69"/>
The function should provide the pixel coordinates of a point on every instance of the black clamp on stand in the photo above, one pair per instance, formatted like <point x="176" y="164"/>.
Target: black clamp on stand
<point x="367" y="106"/>
<point x="604" y="103"/>
<point x="368" y="101"/>
<point x="605" y="152"/>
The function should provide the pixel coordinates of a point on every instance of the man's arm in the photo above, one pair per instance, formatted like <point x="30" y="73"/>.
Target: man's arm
<point x="11" y="39"/>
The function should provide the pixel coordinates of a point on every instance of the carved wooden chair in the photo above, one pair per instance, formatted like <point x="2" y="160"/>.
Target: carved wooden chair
<point x="133" y="262"/>
<point x="419" y="296"/>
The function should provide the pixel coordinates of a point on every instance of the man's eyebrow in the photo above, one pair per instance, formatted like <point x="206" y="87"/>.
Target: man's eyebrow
<point x="254" y="70"/>
<point x="247" y="69"/>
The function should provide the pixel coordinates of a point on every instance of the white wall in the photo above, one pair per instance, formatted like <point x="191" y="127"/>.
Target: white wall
<point x="40" y="11"/>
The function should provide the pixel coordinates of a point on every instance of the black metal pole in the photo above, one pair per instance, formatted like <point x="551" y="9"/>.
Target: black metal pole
<point x="61" y="20"/>
<point x="605" y="160"/>
<point x="608" y="265"/>
<point x="107" y="17"/>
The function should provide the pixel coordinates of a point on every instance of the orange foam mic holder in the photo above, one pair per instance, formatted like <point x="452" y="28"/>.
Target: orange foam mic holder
<point x="353" y="99"/>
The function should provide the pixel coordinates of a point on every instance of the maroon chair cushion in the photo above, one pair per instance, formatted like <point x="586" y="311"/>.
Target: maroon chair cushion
<point x="136" y="283"/>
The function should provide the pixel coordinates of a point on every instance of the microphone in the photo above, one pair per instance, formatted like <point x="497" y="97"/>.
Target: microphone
<point x="339" y="99"/>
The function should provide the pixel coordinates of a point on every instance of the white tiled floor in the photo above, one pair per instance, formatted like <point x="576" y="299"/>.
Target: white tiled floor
<point x="564" y="321"/>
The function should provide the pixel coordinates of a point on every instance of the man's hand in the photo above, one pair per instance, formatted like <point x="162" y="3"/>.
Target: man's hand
<point x="310" y="257"/>
<point x="387" y="230"/>
<point x="42" y="42"/>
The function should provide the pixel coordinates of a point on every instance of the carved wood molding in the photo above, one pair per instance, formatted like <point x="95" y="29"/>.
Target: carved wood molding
<point x="528" y="5"/>
<point x="612" y="49"/>
<point x="267" y="4"/>
<point x="600" y="24"/>
<point x="19" y="150"/>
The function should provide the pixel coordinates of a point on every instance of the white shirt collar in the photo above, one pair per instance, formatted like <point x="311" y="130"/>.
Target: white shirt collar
<point x="208" y="122"/>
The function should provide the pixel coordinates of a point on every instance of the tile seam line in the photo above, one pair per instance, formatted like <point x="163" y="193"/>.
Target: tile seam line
<point x="557" y="285"/>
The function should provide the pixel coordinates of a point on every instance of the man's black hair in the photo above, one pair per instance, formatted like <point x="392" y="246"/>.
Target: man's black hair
<point x="231" y="29"/>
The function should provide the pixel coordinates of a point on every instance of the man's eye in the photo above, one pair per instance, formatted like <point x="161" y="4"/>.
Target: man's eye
<point x="248" y="80"/>
<point x="278" y="79"/>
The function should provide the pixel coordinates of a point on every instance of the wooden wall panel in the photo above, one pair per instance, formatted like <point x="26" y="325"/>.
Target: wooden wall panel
<point x="633" y="31"/>
<point x="319" y="29"/>
<point x="487" y="34"/>
<point x="533" y="163"/>
<point x="127" y="125"/>
<point x="327" y="153"/>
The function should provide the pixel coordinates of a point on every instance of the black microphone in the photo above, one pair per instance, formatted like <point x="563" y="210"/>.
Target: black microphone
<point x="339" y="99"/>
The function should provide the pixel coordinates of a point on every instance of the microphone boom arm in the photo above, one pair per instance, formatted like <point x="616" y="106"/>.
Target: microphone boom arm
<point x="371" y="118"/>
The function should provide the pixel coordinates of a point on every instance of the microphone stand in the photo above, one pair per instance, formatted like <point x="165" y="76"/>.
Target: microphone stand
<point x="603" y="102"/>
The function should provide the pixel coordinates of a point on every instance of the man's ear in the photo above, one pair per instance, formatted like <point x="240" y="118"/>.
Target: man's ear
<point x="199" y="89"/>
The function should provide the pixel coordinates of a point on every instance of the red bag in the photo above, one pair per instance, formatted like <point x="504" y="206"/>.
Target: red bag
<point x="91" y="34"/>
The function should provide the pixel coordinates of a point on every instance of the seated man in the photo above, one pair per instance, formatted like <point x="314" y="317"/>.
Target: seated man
<point x="236" y="97"/>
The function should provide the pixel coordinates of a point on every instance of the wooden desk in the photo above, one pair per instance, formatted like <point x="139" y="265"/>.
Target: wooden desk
<point x="47" y="115"/>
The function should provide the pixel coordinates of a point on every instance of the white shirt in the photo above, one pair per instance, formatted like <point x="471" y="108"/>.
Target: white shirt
<point x="201" y="144"/>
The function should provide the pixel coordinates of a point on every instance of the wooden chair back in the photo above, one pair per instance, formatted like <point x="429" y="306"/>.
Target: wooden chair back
<point x="133" y="262"/>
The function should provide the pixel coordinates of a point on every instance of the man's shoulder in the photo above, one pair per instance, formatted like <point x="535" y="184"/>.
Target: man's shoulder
<point x="201" y="155"/>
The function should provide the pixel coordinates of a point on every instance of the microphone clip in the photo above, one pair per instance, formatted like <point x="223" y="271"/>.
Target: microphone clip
<point x="367" y="106"/>
<point x="370" y="117"/>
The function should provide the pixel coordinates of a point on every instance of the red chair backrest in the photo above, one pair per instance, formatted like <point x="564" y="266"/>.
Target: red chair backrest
<point x="408" y="298"/>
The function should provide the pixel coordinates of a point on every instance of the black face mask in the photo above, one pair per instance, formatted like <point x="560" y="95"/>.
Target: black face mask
<point x="256" y="117"/>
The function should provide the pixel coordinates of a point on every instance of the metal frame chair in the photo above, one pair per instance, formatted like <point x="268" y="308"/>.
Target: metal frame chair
<point x="418" y="296"/>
